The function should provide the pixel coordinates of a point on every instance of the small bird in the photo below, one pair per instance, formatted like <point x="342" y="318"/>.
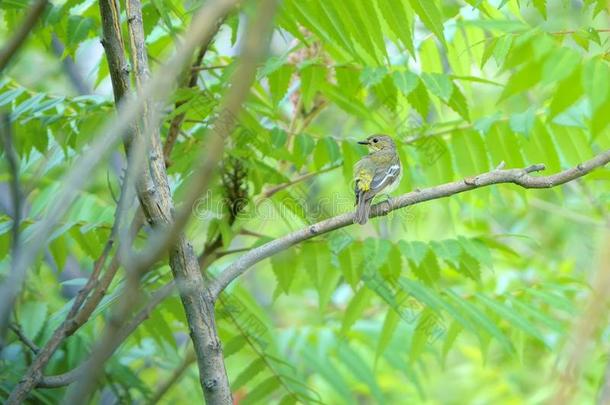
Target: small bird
<point x="376" y="172"/>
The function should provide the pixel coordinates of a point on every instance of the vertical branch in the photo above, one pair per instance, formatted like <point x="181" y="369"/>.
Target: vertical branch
<point x="176" y="122"/>
<point x="13" y="164"/>
<point x="583" y="332"/>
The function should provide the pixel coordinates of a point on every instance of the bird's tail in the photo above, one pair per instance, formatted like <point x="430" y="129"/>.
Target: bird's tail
<point x="363" y="209"/>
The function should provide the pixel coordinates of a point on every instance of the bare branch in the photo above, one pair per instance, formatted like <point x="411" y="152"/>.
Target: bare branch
<point x="106" y="139"/>
<point x="270" y="192"/>
<point x="519" y="177"/>
<point x="12" y="46"/>
<point x="16" y="195"/>
<point x="175" y="125"/>
<point x="73" y="375"/>
<point x="23" y="338"/>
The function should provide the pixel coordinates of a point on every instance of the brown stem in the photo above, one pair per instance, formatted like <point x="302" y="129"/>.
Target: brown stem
<point x="519" y="177"/>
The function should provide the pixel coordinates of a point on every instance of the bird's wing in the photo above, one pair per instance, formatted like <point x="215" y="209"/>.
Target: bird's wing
<point x="385" y="176"/>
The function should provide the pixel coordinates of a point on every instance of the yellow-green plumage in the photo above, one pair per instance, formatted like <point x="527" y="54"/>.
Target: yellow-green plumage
<point x="376" y="172"/>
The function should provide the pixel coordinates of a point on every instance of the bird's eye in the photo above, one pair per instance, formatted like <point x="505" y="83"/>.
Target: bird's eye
<point x="375" y="140"/>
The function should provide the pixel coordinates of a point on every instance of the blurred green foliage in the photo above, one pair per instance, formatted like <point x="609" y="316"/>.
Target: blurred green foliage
<point x="469" y="299"/>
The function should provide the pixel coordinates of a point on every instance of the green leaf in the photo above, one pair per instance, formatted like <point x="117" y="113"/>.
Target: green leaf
<point x="249" y="373"/>
<point x="568" y="92"/>
<point x="326" y="368"/>
<point x="234" y="345"/>
<point x="482" y="321"/>
<point x="356" y="365"/>
<point x="397" y="18"/>
<point x="440" y="85"/>
<point x="371" y="76"/>
<point x="450" y="337"/>
<point x="387" y="331"/>
<point x="284" y="272"/>
<point x="559" y="65"/>
<point x="278" y="82"/>
<point x="354" y="309"/>
<point x="32" y="317"/>
<point x="311" y="78"/>
<point x="523" y="80"/>
<point x="262" y="390"/>
<point x="541" y="7"/>
<point x="78" y="29"/>
<point x="596" y="82"/>
<point x="414" y="251"/>
<point x="419" y="99"/>
<point x="430" y="15"/>
<point x="405" y="81"/>
<point x="448" y="250"/>
<point x="458" y="103"/>
<point x="511" y="316"/>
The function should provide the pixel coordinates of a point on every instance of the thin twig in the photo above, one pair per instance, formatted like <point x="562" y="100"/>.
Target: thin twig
<point x="175" y="125"/>
<point x="23" y="338"/>
<point x="271" y="191"/>
<point x="519" y="177"/>
<point x="67" y="378"/>
<point x="18" y="39"/>
<point x="103" y="141"/>
<point x="210" y="67"/>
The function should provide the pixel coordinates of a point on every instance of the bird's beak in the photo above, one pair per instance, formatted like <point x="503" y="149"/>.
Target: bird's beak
<point x="363" y="142"/>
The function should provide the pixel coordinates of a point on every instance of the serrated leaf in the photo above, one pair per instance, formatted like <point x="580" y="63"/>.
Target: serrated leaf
<point x="414" y="251"/>
<point x="78" y="29"/>
<point x="395" y="14"/>
<point x="458" y="103"/>
<point x="278" y="82"/>
<point x="438" y="84"/>
<point x="405" y="81"/>
<point x="419" y="99"/>
<point x="430" y="15"/>
<point x="354" y="309"/>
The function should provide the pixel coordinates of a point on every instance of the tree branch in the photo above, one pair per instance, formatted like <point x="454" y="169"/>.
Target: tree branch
<point x="23" y="338"/>
<point x="67" y="378"/>
<point x="176" y="122"/>
<point x="12" y="46"/>
<point x="519" y="177"/>
<point x="104" y="141"/>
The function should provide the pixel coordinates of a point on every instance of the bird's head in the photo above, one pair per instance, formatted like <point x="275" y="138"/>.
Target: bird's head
<point x="378" y="142"/>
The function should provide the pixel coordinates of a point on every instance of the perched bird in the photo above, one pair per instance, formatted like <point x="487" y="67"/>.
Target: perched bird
<point x="376" y="172"/>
